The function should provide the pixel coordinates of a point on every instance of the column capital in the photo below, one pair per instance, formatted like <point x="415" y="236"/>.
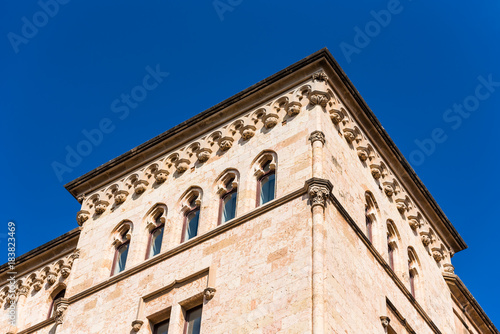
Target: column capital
<point x="318" y="191"/>
<point x="317" y="136"/>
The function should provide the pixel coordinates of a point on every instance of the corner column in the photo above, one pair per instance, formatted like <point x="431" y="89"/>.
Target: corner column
<point x="319" y="191"/>
<point x="317" y="139"/>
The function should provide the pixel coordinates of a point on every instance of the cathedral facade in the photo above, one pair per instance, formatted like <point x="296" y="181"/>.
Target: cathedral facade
<point x="286" y="208"/>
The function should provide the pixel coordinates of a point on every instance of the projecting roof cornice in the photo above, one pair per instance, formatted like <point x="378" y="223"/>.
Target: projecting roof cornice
<point x="358" y="123"/>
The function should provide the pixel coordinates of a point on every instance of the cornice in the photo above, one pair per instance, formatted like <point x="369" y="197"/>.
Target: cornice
<point x="464" y="298"/>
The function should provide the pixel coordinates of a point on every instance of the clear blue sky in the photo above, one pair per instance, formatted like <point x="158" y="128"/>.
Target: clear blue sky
<point x="61" y="73"/>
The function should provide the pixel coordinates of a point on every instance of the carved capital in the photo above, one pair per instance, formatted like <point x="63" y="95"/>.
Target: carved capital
<point x="385" y="320"/>
<point x="60" y="307"/>
<point x="209" y="293"/>
<point x="319" y="98"/>
<point x="317" y="136"/>
<point x="318" y="195"/>
<point x="136" y="325"/>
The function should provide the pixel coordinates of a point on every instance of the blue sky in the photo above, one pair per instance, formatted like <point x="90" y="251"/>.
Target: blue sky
<point x="61" y="75"/>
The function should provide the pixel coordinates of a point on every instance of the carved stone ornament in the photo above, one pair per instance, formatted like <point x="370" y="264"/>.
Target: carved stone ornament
<point x="318" y="195"/>
<point x="426" y="240"/>
<point x="385" y="321"/>
<point x="401" y="205"/>
<point x="65" y="271"/>
<point x="225" y="143"/>
<point x="449" y="268"/>
<point x="182" y="165"/>
<point x="437" y="255"/>
<point x="270" y="120"/>
<point x="161" y="175"/>
<point x="51" y="277"/>
<point x="23" y="290"/>
<point x="248" y="132"/>
<point x="203" y="154"/>
<point x="120" y="196"/>
<point x="336" y="116"/>
<point x="60" y="307"/>
<point x="140" y="186"/>
<point x="349" y="135"/>
<point x="376" y="171"/>
<point x="317" y="136"/>
<point x="82" y="216"/>
<point x="136" y="325"/>
<point x="320" y="76"/>
<point x="362" y="153"/>
<point x="37" y="284"/>
<point x="209" y="293"/>
<point x="293" y="108"/>
<point x="101" y="206"/>
<point x="389" y="190"/>
<point x="319" y="99"/>
<point x="414" y="223"/>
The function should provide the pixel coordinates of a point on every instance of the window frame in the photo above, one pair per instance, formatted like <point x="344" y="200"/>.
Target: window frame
<point x="52" y="304"/>
<point x="150" y="239"/>
<point x="369" y="228"/>
<point x="115" y="259"/>
<point x="186" y="321"/>
<point x="221" y="205"/>
<point x="259" y="183"/>
<point x="155" y="326"/>
<point x="184" y="225"/>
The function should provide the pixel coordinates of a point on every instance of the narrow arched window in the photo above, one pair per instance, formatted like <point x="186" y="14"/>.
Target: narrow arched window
<point x="266" y="184"/>
<point x="60" y="294"/>
<point x="156" y="237"/>
<point x="122" y="245"/>
<point x="412" y="271"/>
<point x="391" y="243"/>
<point x="191" y="220"/>
<point x="227" y="210"/>
<point x="370" y="215"/>
<point x="390" y="250"/>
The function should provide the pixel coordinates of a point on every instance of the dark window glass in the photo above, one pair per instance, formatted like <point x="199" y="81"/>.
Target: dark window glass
<point x="193" y="321"/>
<point x="369" y="228"/>
<point x="192" y="219"/>
<point x="267" y="185"/>
<point x="391" y="256"/>
<point x="412" y="283"/>
<point x="229" y="207"/>
<point x="156" y="240"/>
<point x="161" y="328"/>
<point x="121" y="258"/>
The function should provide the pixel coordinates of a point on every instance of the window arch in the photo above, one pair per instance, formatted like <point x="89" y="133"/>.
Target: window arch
<point x="227" y="189"/>
<point x="392" y="243"/>
<point x="121" y="241"/>
<point x="191" y="204"/>
<point x="370" y="214"/>
<point x="413" y="271"/>
<point x="155" y="224"/>
<point x="265" y="171"/>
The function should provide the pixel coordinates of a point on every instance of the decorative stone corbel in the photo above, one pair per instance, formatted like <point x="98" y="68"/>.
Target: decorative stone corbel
<point x="437" y="254"/>
<point x="248" y="131"/>
<point x="37" y="284"/>
<point x="319" y="89"/>
<point x="60" y="307"/>
<point x="65" y="270"/>
<point x="349" y="135"/>
<point x="401" y="205"/>
<point x="82" y="216"/>
<point x="101" y="206"/>
<point x="161" y="175"/>
<point x="225" y="143"/>
<point x="182" y="165"/>
<point x="140" y="186"/>
<point x="385" y="320"/>
<point x="203" y="154"/>
<point x="336" y="116"/>
<point x="270" y="120"/>
<point x="389" y="189"/>
<point x="363" y="153"/>
<point x="209" y="293"/>
<point x="120" y="196"/>
<point x="449" y="268"/>
<point x="317" y="136"/>
<point x="414" y="222"/>
<point x="23" y="290"/>
<point x="136" y="325"/>
<point x="293" y="108"/>
<point x="376" y="171"/>
<point x="51" y="277"/>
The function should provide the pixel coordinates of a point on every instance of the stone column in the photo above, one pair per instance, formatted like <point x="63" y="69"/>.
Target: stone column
<point x="317" y="139"/>
<point x="318" y="191"/>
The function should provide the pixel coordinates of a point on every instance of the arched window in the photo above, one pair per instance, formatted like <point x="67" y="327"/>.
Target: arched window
<point x="265" y="170"/>
<point x="191" y="203"/>
<point x="155" y="220"/>
<point x="121" y="243"/>
<point x="370" y="215"/>
<point x="391" y="243"/>
<point x="60" y="294"/>
<point x="228" y="192"/>
<point x="156" y="238"/>
<point x="412" y="271"/>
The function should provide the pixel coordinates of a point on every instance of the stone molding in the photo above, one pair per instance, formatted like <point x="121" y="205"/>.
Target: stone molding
<point x="196" y="153"/>
<point x="48" y="275"/>
<point x="317" y="136"/>
<point x="319" y="191"/>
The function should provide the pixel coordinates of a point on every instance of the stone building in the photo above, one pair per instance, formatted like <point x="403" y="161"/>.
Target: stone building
<point x="284" y="209"/>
